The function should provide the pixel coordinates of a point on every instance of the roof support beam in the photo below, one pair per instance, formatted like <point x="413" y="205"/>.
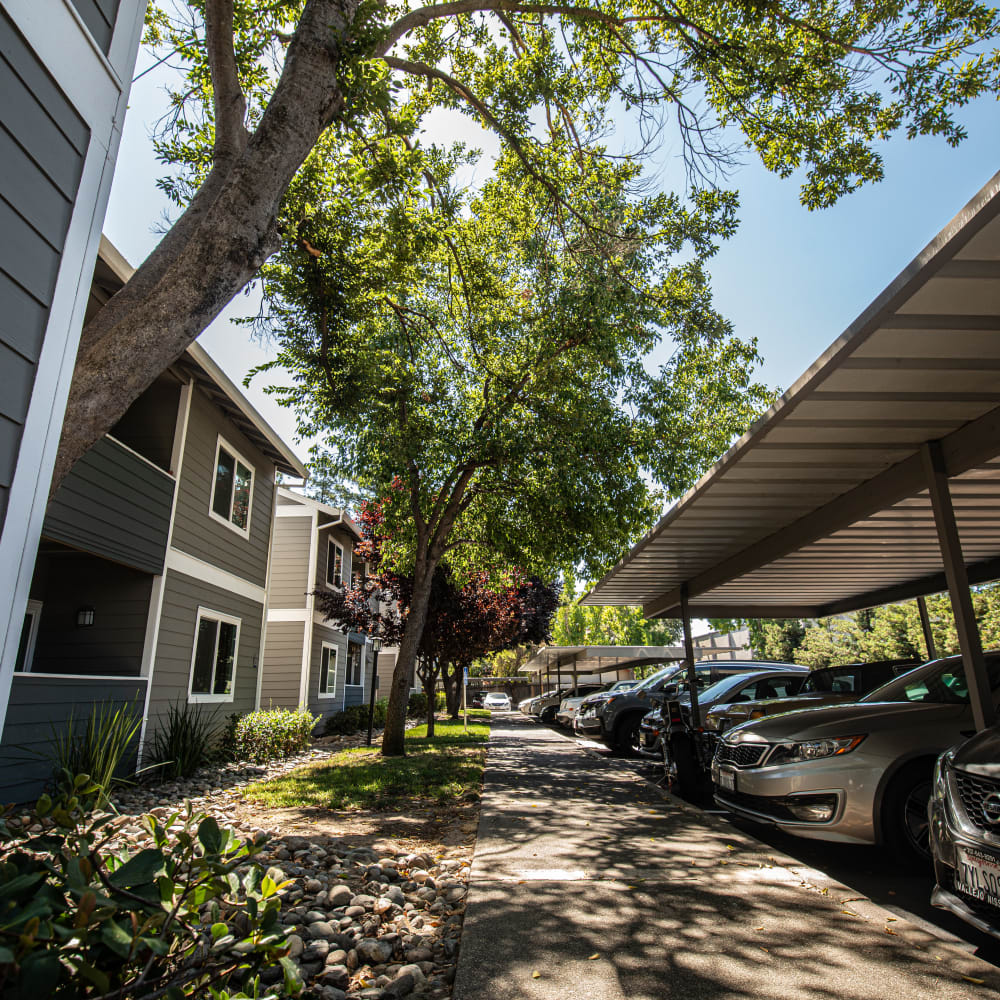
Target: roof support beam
<point x="980" y="694"/>
<point x="971" y="445"/>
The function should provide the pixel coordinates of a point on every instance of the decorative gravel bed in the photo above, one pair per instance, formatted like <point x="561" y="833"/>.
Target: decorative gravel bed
<point x="363" y="922"/>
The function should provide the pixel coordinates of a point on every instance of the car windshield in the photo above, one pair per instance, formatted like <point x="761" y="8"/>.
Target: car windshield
<point x="661" y="675"/>
<point x="941" y="682"/>
<point x="716" y="691"/>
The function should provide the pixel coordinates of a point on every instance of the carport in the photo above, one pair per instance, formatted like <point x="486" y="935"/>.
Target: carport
<point x="596" y="660"/>
<point x="874" y="479"/>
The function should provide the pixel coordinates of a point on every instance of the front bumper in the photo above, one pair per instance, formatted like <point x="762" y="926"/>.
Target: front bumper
<point x="767" y="795"/>
<point x="587" y="725"/>
<point x="951" y="830"/>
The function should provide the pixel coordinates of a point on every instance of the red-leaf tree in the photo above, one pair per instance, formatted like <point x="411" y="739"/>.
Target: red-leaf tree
<point x="465" y="620"/>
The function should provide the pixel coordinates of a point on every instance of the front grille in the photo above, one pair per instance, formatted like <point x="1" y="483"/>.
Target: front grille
<point x="974" y="792"/>
<point x="775" y="808"/>
<point x="741" y="754"/>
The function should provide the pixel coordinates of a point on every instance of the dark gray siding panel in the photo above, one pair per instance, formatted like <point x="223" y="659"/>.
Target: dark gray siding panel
<point x="40" y="706"/>
<point x="43" y="142"/>
<point x="66" y="581"/>
<point x="182" y="596"/>
<point x="282" y="665"/>
<point x="327" y="706"/>
<point x="99" y="16"/>
<point x="115" y="505"/>
<point x="195" y="531"/>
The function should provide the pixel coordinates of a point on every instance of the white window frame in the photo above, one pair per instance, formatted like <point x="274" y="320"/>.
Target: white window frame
<point x="347" y="666"/>
<point x="201" y="697"/>
<point x="340" y="548"/>
<point x="334" y="649"/>
<point x="242" y="532"/>
<point x="33" y="608"/>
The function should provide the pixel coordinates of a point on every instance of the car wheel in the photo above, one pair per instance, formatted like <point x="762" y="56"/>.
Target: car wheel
<point x="548" y="714"/>
<point x="904" y="813"/>
<point x="627" y="741"/>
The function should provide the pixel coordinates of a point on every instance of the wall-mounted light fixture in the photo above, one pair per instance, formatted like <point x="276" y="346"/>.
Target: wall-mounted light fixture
<point x="85" y="618"/>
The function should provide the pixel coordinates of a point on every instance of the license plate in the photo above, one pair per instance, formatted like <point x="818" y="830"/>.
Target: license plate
<point x="727" y="779"/>
<point x="977" y="874"/>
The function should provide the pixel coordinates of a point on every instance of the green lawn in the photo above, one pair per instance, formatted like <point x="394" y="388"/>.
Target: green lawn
<point x="441" y="769"/>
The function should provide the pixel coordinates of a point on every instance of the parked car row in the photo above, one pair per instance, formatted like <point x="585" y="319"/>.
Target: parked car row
<point x="867" y="753"/>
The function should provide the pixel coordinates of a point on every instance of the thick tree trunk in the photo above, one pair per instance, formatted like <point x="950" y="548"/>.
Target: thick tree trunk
<point x="453" y="689"/>
<point x="215" y="248"/>
<point x="393" y="738"/>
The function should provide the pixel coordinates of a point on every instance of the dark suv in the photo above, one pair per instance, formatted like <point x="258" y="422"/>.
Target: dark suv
<point x="617" y="719"/>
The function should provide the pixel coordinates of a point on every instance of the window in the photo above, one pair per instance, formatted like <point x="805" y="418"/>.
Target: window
<point x="334" y="564"/>
<point x="233" y="490"/>
<point x="29" y="632"/>
<point x="354" y="677"/>
<point x="328" y="671"/>
<point x="213" y="662"/>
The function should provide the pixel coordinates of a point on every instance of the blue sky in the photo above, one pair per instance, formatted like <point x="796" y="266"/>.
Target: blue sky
<point x="793" y="279"/>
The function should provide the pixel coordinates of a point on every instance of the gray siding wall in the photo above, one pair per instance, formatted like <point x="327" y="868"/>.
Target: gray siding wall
<point x="38" y="707"/>
<point x="327" y="706"/>
<point x="182" y="596"/>
<point x="115" y="505"/>
<point x="290" y="562"/>
<point x="99" y="17"/>
<point x="195" y="531"/>
<point x="43" y="142"/>
<point x="283" y="644"/>
<point x="66" y="581"/>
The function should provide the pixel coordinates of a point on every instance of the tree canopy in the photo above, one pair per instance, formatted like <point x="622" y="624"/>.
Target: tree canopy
<point x="265" y="92"/>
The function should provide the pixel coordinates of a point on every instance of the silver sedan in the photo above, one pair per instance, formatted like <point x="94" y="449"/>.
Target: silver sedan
<point x="858" y="773"/>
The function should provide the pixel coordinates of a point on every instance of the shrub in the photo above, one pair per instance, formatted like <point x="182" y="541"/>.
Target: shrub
<point x="184" y="743"/>
<point x="354" y="719"/>
<point x="97" y="748"/>
<point x="272" y="733"/>
<point x="416" y="707"/>
<point x="184" y="916"/>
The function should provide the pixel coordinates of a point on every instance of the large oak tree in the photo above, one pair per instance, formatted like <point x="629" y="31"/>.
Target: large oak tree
<point x="812" y="84"/>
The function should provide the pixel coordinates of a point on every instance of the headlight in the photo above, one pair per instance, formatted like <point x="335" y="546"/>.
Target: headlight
<point x="793" y="753"/>
<point x="612" y="699"/>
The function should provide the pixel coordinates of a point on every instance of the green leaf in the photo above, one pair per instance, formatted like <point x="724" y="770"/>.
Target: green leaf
<point x="219" y="930"/>
<point x="116" y="938"/>
<point x="140" y="870"/>
<point x="210" y="835"/>
<point x="40" y="974"/>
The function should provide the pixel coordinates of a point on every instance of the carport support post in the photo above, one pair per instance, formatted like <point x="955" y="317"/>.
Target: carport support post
<point x="980" y="695"/>
<point x="689" y="656"/>
<point x="925" y="624"/>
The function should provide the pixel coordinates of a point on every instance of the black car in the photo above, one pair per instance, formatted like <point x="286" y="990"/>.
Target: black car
<point x="964" y="815"/>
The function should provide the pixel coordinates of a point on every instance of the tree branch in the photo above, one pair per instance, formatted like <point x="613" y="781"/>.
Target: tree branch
<point x="229" y="101"/>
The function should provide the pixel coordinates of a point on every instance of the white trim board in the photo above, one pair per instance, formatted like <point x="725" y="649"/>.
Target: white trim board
<point x="214" y="576"/>
<point x="288" y="614"/>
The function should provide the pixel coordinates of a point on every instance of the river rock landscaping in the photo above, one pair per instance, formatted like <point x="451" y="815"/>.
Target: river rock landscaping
<point x="375" y="901"/>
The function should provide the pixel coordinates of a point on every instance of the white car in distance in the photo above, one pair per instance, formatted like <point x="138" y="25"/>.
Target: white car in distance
<point x="497" y="701"/>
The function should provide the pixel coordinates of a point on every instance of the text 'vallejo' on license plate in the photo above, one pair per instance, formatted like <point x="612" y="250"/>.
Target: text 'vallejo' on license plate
<point x="977" y="874"/>
<point x="727" y="779"/>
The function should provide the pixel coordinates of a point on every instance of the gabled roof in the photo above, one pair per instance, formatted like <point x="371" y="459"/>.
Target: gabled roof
<point x="822" y="506"/>
<point x="219" y="387"/>
<point x="336" y="516"/>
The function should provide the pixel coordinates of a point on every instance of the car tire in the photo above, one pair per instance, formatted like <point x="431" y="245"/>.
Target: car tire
<point x="548" y="714"/>
<point x="626" y="742"/>
<point x="905" y="825"/>
<point x="686" y="770"/>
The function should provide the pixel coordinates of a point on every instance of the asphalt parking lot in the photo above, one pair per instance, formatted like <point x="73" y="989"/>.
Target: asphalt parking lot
<point x="870" y="871"/>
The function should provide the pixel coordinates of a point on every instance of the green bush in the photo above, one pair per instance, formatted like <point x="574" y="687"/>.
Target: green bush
<point x="184" y="917"/>
<point x="187" y="741"/>
<point x="97" y="748"/>
<point x="273" y="733"/>
<point x="354" y="719"/>
<point x="416" y="707"/>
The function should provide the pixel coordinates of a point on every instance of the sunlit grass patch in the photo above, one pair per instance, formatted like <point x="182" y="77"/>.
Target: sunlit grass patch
<point x="441" y="769"/>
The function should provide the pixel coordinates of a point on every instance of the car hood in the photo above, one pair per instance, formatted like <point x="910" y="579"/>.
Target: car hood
<point x="981" y="754"/>
<point x="771" y="706"/>
<point x="574" y="702"/>
<point x="846" y="720"/>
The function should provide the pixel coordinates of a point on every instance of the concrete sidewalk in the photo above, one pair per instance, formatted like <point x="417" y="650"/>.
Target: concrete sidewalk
<point x="588" y="885"/>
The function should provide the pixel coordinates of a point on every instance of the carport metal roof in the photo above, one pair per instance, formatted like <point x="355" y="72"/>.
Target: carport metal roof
<point x="824" y="505"/>
<point x="577" y="660"/>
